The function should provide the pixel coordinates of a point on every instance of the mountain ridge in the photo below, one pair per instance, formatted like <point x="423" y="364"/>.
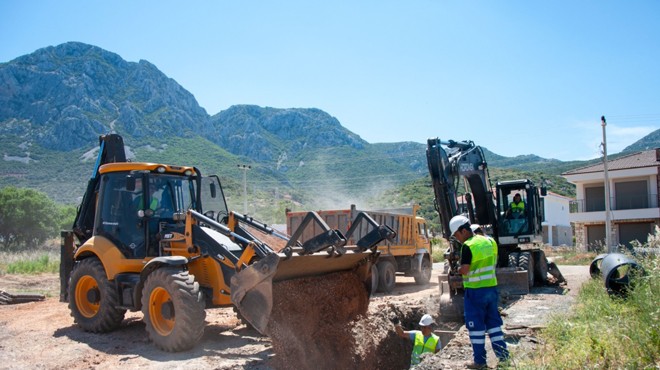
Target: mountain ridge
<point x="55" y="102"/>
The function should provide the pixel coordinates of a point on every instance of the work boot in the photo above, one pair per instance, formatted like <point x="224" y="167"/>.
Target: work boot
<point x="474" y="365"/>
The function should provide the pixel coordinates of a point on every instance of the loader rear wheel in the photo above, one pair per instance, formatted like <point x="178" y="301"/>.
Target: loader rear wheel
<point x="173" y="308"/>
<point x="526" y="262"/>
<point x="423" y="276"/>
<point x="93" y="300"/>
<point x="386" y="276"/>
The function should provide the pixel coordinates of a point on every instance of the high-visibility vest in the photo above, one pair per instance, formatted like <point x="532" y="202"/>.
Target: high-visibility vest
<point x="518" y="207"/>
<point x="420" y="347"/>
<point x="484" y="261"/>
<point x="153" y="205"/>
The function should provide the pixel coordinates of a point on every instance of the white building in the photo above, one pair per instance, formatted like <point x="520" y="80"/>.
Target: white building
<point x="634" y="181"/>
<point x="557" y="229"/>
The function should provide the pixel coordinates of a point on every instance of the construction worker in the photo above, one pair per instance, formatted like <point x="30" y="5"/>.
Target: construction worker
<point x="516" y="207"/>
<point x="138" y="201"/>
<point x="478" y="261"/>
<point x="423" y="340"/>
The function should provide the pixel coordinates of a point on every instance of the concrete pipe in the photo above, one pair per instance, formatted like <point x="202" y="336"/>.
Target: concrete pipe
<point x="595" y="267"/>
<point x="619" y="272"/>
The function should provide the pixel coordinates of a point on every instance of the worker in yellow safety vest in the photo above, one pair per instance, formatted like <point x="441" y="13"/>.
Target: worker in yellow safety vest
<point x="424" y="341"/>
<point x="477" y="265"/>
<point x="516" y="207"/>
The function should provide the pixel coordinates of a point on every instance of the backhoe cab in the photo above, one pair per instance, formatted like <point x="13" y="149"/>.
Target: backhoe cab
<point x="160" y="239"/>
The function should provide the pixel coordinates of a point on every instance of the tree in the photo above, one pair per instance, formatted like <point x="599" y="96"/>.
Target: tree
<point x="27" y="218"/>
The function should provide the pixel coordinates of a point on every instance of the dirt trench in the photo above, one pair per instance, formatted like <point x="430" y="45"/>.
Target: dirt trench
<point x="324" y="323"/>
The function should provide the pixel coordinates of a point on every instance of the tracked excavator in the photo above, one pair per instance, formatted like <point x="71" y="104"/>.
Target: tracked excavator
<point x="159" y="238"/>
<point x="516" y="229"/>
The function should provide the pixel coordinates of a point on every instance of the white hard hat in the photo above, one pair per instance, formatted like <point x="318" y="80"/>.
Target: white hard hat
<point x="456" y="222"/>
<point x="475" y="227"/>
<point x="426" y="320"/>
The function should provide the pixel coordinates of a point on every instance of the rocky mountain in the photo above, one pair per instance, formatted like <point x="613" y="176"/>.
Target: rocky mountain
<point x="270" y="134"/>
<point x="62" y="97"/>
<point x="649" y="141"/>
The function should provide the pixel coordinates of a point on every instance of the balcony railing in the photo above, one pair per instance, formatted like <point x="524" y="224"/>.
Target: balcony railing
<point x="622" y="202"/>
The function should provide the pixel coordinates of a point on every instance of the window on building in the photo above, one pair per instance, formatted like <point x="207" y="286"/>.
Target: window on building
<point x="594" y="198"/>
<point x="631" y="195"/>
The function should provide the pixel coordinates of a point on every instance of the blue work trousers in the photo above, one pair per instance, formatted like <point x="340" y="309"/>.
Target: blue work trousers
<point x="481" y="318"/>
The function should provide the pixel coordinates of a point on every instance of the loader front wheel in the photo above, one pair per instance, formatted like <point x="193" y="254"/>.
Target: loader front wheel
<point x="173" y="308"/>
<point x="386" y="276"/>
<point x="93" y="300"/>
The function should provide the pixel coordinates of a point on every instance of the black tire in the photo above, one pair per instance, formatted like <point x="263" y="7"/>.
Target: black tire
<point x="173" y="308"/>
<point x="526" y="262"/>
<point x="513" y="259"/>
<point x="540" y="268"/>
<point x="424" y="276"/>
<point x="93" y="300"/>
<point x="386" y="276"/>
<point x="374" y="279"/>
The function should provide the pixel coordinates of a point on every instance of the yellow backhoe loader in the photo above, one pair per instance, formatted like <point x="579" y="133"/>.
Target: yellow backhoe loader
<point x="159" y="238"/>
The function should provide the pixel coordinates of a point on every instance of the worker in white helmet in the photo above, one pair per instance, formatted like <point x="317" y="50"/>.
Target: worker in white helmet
<point x="478" y="262"/>
<point x="423" y="340"/>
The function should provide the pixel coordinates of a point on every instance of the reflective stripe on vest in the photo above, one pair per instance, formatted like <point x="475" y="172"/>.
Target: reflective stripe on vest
<point x="482" y="266"/>
<point x="420" y="347"/>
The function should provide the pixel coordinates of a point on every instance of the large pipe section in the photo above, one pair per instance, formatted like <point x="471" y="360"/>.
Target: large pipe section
<point x="617" y="270"/>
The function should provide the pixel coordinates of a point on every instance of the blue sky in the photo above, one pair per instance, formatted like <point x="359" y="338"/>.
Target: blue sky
<point x="517" y="77"/>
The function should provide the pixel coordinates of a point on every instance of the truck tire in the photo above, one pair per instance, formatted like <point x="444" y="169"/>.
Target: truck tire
<point x="93" y="300"/>
<point x="540" y="268"/>
<point x="173" y="308"/>
<point x="526" y="262"/>
<point x="374" y="279"/>
<point x="386" y="276"/>
<point x="423" y="276"/>
<point x="513" y="259"/>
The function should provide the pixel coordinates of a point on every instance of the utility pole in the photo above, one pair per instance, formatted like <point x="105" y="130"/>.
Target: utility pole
<point x="245" y="169"/>
<point x="608" y="229"/>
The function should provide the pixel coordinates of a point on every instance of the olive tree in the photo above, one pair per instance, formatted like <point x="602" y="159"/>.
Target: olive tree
<point x="27" y="218"/>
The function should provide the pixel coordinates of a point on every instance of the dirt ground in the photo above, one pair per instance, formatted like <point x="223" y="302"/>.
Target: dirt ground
<point x="42" y="334"/>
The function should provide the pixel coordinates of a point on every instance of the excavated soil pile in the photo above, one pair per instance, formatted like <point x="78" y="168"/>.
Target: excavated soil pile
<point x="322" y="323"/>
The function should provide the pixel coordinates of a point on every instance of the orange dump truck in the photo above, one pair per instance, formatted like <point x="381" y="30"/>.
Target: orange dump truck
<point x="409" y="253"/>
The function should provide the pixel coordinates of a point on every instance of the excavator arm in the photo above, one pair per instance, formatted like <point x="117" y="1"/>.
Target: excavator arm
<point x="460" y="160"/>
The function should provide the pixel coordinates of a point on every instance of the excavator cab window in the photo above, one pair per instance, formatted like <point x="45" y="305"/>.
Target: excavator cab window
<point x="514" y="211"/>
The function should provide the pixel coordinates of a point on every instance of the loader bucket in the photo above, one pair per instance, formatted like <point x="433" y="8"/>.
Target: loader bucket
<point x="252" y="288"/>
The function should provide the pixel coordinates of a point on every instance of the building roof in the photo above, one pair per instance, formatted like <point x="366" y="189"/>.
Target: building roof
<point x="647" y="158"/>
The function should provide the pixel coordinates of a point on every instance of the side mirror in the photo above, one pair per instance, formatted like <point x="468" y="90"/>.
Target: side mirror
<point x="130" y="183"/>
<point x="544" y="191"/>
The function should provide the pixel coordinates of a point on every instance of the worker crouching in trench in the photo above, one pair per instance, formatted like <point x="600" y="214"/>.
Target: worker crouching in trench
<point x="424" y="341"/>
